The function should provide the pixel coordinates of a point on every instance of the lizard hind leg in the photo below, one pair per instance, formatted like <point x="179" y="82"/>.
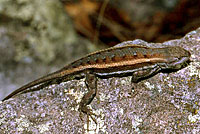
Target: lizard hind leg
<point x="91" y="83"/>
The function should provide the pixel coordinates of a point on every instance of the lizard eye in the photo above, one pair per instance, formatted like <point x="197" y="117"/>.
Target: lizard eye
<point x="175" y="63"/>
<point x="173" y="60"/>
<point x="177" y="59"/>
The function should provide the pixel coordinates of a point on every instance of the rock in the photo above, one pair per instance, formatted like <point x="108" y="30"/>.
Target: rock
<point x="164" y="103"/>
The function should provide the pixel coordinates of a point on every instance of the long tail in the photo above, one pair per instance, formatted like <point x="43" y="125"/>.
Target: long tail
<point x="34" y="83"/>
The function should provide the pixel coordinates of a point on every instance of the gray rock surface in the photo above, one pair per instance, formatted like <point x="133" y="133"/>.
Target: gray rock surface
<point x="164" y="103"/>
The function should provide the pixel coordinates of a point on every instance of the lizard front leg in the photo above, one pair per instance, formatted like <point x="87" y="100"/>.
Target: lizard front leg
<point x="144" y="73"/>
<point x="91" y="83"/>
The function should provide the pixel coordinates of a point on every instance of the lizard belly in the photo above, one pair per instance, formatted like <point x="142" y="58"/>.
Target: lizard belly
<point x="124" y="70"/>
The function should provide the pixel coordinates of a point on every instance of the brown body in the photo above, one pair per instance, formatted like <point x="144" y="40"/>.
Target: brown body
<point x="129" y="59"/>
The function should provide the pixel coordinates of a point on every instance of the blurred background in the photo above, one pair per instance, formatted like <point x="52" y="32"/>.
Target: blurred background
<point x="40" y="36"/>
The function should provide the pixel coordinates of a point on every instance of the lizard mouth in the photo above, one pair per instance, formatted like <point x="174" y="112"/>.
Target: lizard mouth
<point x="181" y="63"/>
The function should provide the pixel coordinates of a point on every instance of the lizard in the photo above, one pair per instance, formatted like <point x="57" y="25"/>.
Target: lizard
<point x="124" y="59"/>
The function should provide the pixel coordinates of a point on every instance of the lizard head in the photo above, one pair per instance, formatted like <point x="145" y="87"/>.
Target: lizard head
<point x="177" y="57"/>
